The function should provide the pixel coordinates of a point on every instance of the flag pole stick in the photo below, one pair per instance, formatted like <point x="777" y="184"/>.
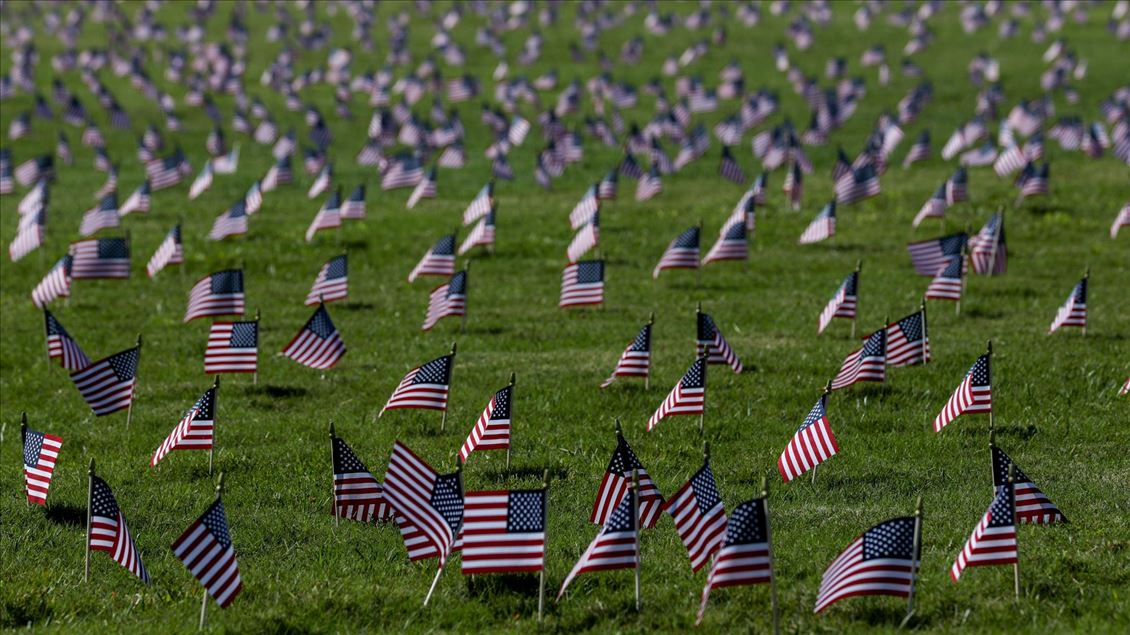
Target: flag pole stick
<point x="989" y="346"/>
<point x="23" y="444"/>
<point x="204" y="597"/>
<point x="772" y="573"/>
<point x="333" y="501"/>
<point x="647" y="377"/>
<point x="854" y="317"/>
<point x="255" y="375"/>
<point x="89" y="501"/>
<point x="545" y="531"/>
<point x="636" y="522"/>
<point x="925" y="340"/>
<point x="450" y="372"/>
<point x="1086" y="283"/>
<point x="509" y="441"/>
<point x="466" y="292"/>
<point x="1015" y="565"/>
<point x="443" y="563"/>
<point x="215" y="404"/>
<point x="964" y="259"/>
<point x="435" y="581"/>
<point x="914" y="561"/>
<point x="133" y="389"/>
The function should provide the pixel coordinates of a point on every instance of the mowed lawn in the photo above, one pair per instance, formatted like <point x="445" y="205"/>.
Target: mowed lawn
<point x="1058" y="413"/>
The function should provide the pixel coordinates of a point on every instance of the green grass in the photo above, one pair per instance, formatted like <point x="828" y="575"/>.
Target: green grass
<point x="1058" y="413"/>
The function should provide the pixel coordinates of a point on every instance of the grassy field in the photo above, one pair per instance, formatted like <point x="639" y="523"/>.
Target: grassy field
<point x="1058" y="413"/>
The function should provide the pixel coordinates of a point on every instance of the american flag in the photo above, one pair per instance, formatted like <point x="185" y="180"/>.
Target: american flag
<point x="57" y="283"/>
<point x="745" y="557"/>
<point x="793" y="186"/>
<point x="195" y="430"/>
<point x="585" y="209"/>
<point x="138" y="201"/>
<point x="32" y="170"/>
<point x="500" y="168"/>
<point x="957" y="187"/>
<point x="1032" y="505"/>
<point x="332" y="283"/>
<point x="232" y="222"/>
<point x="812" y="444"/>
<point x="106" y="258"/>
<point x="29" y="235"/>
<point x="682" y="253"/>
<point x="481" y="205"/>
<point x="606" y="189"/>
<point x="732" y="243"/>
<point x="253" y="200"/>
<point x="278" y="174"/>
<point x="935" y="207"/>
<point x="504" y="531"/>
<point x="1009" y="160"/>
<point x="357" y="494"/>
<point x="202" y="182"/>
<point x="328" y="216"/>
<point x="688" y="397"/>
<point x="822" y="227"/>
<point x="635" y="361"/>
<point x="994" y="538"/>
<point x="61" y="346"/>
<point x="630" y="168"/>
<point x="233" y="347"/>
<point x="482" y="234"/>
<point x="948" y="282"/>
<point x="700" y="517"/>
<point x="428" y="506"/>
<point x="492" y="430"/>
<point x="1120" y="221"/>
<point x="864" y="364"/>
<point x="402" y="172"/>
<point x="41" y="450"/>
<point x="102" y="216"/>
<point x="729" y="169"/>
<point x="843" y="304"/>
<point x="424" y="189"/>
<point x="883" y="561"/>
<point x="862" y="183"/>
<point x="206" y="549"/>
<point x="453" y="157"/>
<point x="649" y="184"/>
<point x="107" y="385"/>
<point x="618" y="480"/>
<point x="354" y="207"/>
<point x="165" y="173"/>
<point x="108" y="531"/>
<point x="1033" y="181"/>
<point x="447" y="300"/>
<point x="907" y="341"/>
<point x="585" y="239"/>
<point x="438" y="261"/>
<point x="1074" y="311"/>
<point x="710" y="342"/>
<point x="318" y="344"/>
<point x="582" y="283"/>
<point x="424" y="387"/>
<point x="6" y="185"/>
<point x="321" y="182"/>
<point x="220" y="293"/>
<point x="987" y="249"/>
<point x="975" y="394"/>
<point x="615" y="547"/>
<point x="928" y="256"/>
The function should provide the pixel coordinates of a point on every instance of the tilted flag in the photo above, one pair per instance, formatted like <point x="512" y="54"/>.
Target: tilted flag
<point x="928" y="256"/>
<point x="920" y="151"/>
<point x="618" y="480"/>
<point x="630" y="168"/>
<point x="907" y="341"/>
<point x="318" y="344"/>
<point x="165" y="173"/>
<point x="957" y="187"/>
<point x="822" y="227"/>
<point x="424" y="387"/>
<point x="481" y="205"/>
<point x="102" y="216"/>
<point x="447" y="300"/>
<point x="948" y="283"/>
<point x="635" y="361"/>
<point x="883" y="561"/>
<point x="861" y="184"/>
<point x="585" y="239"/>
<point x="867" y="363"/>
<point x="278" y="174"/>
<point x="1032" y="505"/>
<point x="793" y="187"/>
<point x="196" y="429"/>
<point x="438" y="261"/>
<point x="688" y="397"/>
<point x="582" y="283"/>
<point x="357" y="494"/>
<point x="700" y="517"/>
<point x="975" y="394"/>
<point x="1033" y="181"/>
<point x="56" y="284"/>
<point x="615" y="547"/>
<point x="649" y="185"/>
<point x="1120" y="221"/>
<point x="843" y="303"/>
<point x="987" y="249"/>
<point x="220" y="293"/>
<point x="729" y="169"/>
<point x="138" y="201"/>
<point x="481" y="235"/>
<point x="332" y="283"/>
<point x="107" y="385"/>
<point x="994" y="538"/>
<point x="233" y="347"/>
<point x="41" y="450"/>
<point x="108" y="531"/>
<point x="812" y="443"/>
<point x="428" y="506"/>
<point x="492" y="430"/>
<point x="710" y="342"/>
<point x="935" y="207"/>
<point x="682" y="253"/>
<point x="732" y="243"/>
<point x="61" y="346"/>
<point x="321" y="182"/>
<point x="202" y="182"/>
<point x="328" y="216"/>
<point x="402" y="172"/>
<point x="424" y="189"/>
<point x="354" y="207"/>
<point x="100" y="258"/>
<point x="1074" y="311"/>
<point x="504" y="531"/>
<point x="206" y="549"/>
<point x="606" y="189"/>
<point x="585" y="209"/>
<point x="745" y="556"/>
<point x="232" y="222"/>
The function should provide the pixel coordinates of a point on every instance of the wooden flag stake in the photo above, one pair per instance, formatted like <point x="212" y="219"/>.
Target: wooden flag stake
<point x="255" y="375"/>
<point x="1086" y="281"/>
<point x="204" y="599"/>
<point x="769" y="540"/>
<point x="23" y="444"/>
<point x="133" y="389"/>
<point x="914" y="561"/>
<point x="333" y="499"/>
<point x="827" y="391"/>
<point x="450" y="374"/>
<point x="989" y="346"/>
<point x="443" y="563"/>
<point x="854" y="319"/>
<point x="545" y="536"/>
<point x="636" y="522"/>
<point x="215" y="405"/>
<point x="89" y="502"/>
<point x="1015" y="565"/>
<point x="509" y="442"/>
<point x="925" y="340"/>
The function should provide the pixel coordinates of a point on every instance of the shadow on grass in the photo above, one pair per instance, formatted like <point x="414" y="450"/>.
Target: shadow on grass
<point x="485" y="330"/>
<point x="752" y="368"/>
<point x="489" y="586"/>
<point x="278" y="392"/>
<point x="979" y="312"/>
<point x="1007" y="431"/>
<point x="355" y="306"/>
<point x="65" y="514"/>
<point x="355" y="245"/>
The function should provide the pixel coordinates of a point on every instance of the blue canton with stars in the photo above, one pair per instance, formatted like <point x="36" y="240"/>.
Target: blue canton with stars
<point x="345" y="461"/>
<point x="337" y="268"/>
<point x="447" y="499"/>
<point x="113" y="249"/>
<point x="525" y="511"/>
<point x="1002" y="513"/>
<point x="590" y="271"/>
<point x="102" y="499"/>
<point x="205" y="406"/>
<point x="818" y="412"/>
<point x="320" y="323"/>
<point x="445" y="246"/>
<point x="53" y="325"/>
<point x="851" y="284"/>
<point x="642" y="343"/>
<point x="624" y="460"/>
<point x="891" y="539"/>
<point x="33" y="445"/>
<point x="748" y="524"/>
<point x="124" y="364"/>
<point x="735" y="232"/>
<point x="912" y="327"/>
<point x="705" y="493"/>
<point x="227" y="282"/>
<point x="980" y="373"/>
<point x="501" y="409"/>
<point x="436" y="371"/>
<point x="217" y="523"/>
<point x="244" y="335"/>
<point x="622" y="518"/>
<point x="1001" y="462"/>
<point x="876" y="345"/>
<point x="706" y="327"/>
<point x="696" y="376"/>
<point x="458" y="284"/>
<point x="687" y="240"/>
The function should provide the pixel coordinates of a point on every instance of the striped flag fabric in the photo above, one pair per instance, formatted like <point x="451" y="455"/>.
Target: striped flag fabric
<point x="492" y="430"/>
<point x="606" y="189"/>
<point x="41" y="451"/>
<point x="822" y="227"/>
<point x="919" y="151"/>
<point x="618" y="480"/>
<point x="107" y="385"/>
<point x="402" y="172"/>
<point x="504" y="531"/>
<point x="321" y="182"/>
<point x="1034" y="181"/>
<point x="843" y="303"/>
<point x="428" y="506"/>
<point x="700" y="517"/>
<point x="138" y="201"/>
<point x="332" y="283"/>
<point x="1120" y="221"/>
<point x="793" y="186"/>
<point x="907" y="341"/>
<point x="935" y="207"/>
<point x="233" y="347"/>
<point x="278" y="174"/>
<point x="29" y="235"/>
<point x="102" y="216"/>
<point x="732" y="243"/>
<point x="1032" y="505"/>
<point x="883" y="561"/>
<point x="745" y="556"/>
<point x="812" y="443"/>
<point x="688" y="397"/>
<point x="582" y="283"/>
<point x="233" y="222"/>
<point x="424" y="387"/>
<point x="108" y="530"/>
<point x="957" y="187"/>
<point x="100" y="258"/>
<point x="585" y="209"/>
<point x="710" y="342"/>
<point x="56" y="284"/>
<point x="447" y="300"/>
<point x="481" y="235"/>
<point x="357" y="494"/>
<point x="220" y="293"/>
<point x="928" y="256"/>
<point x="682" y="253"/>
<point x="649" y="185"/>
<point x="949" y="281"/>
<point x="61" y="346"/>
<point x="973" y="395"/>
<point x="1074" y="311"/>
<point x="635" y="361"/>
<point x="615" y="547"/>
<point x="165" y="173"/>
<point x="585" y="239"/>
<point x="353" y="208"/>
<point x="481" y="205"/>
<point x="729" y="169"/>
<point x="328" y="216"/>
<point x="987" y="249"/>
<point x="438" y="261"/>
<point x="202" y="182"/>
<point x="993" y="540"/>
<point x="426" y="188"/>
<point x="630" y="168"/>
<point x="253" y="199"/>
<point x="206" y="549"/>
<point x="318" y="344"/>
<point x="195" y="431"/>
<point x="867" y="363"/>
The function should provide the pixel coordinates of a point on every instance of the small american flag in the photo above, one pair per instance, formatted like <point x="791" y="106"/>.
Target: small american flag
<point x="138" y="201"/>
<point x="278" y="174"/>
<point x="202" y="182"/>
<point x="1074" y="311"/>
<point x="357" y="494"/>
<point x="688" y="397"/>
<point x="1120" y="221"/>
<point x="233" y="347"/>
<point x="354" y="207"/>
<point x="935" y="207"/>
<point x="102" y="216"/>
<point x="332" y="283"/>
<point x="822" y="227"/>
<point x="606" y="189"/>
<point x="682" y="253"/>
<point x="710" y="342"/>
<point x="975" y="394"/>
<point x="424" y="387"/>
<point x="948" y="282"/>
<point x="864" y="364"/>
<point x="987" y="249"/>
<point x="40" y="453"/>
<point x="481" y="235"/>
<point x="206" y="549"/>
<point x="732" y="243"/>
<point x="424" y="189"/>
<point x="793" y="187"/>
<point x="232" y="222"/>
<point x="649" y="185"/>
<point x="928" y="256"/>
<point x="107" y="385"/>
<point x="883" y="561"/>
<point x="957" y="187"/>
<point x="321" y="182"/>
<point x="108" y="531"/>
<point x="105" y="258"/>
<point x="630" y="168"/>
<point x="481" y="205"/>
<point x="745" y="557"/>
<point x="328" y="216"/>
<point x="812" y="444"/>
<point x="447" y="300"/>
<point x="861" y="184"/>
<point x="635" y="361"/>
<point x="615" y="547"/>
<point x="195" y="431"/>
<point x="994" y="538"/>
<point x="842" y="304"/>
<point x="700" y="517"/>
<point x="56" y="284"/>
<point x="729" y="169"/>
<point x="585" y="239"/>
<point x="318" y="344"/>
<point x="402" y="172"/>
<point x="438" y="261"/>
<point x="1032" y="505"/>
<point x="61" y="346"/>
<point x="907" y="341"/>
<point x="165" y="173"/>
<point x="582" y="283"/>
<point x="428" y="506"/>
<point x="220" y="293"/>
<point x="492" y="430"/>
<point x="585" y="209"/>
<point x="504" y="531"/>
